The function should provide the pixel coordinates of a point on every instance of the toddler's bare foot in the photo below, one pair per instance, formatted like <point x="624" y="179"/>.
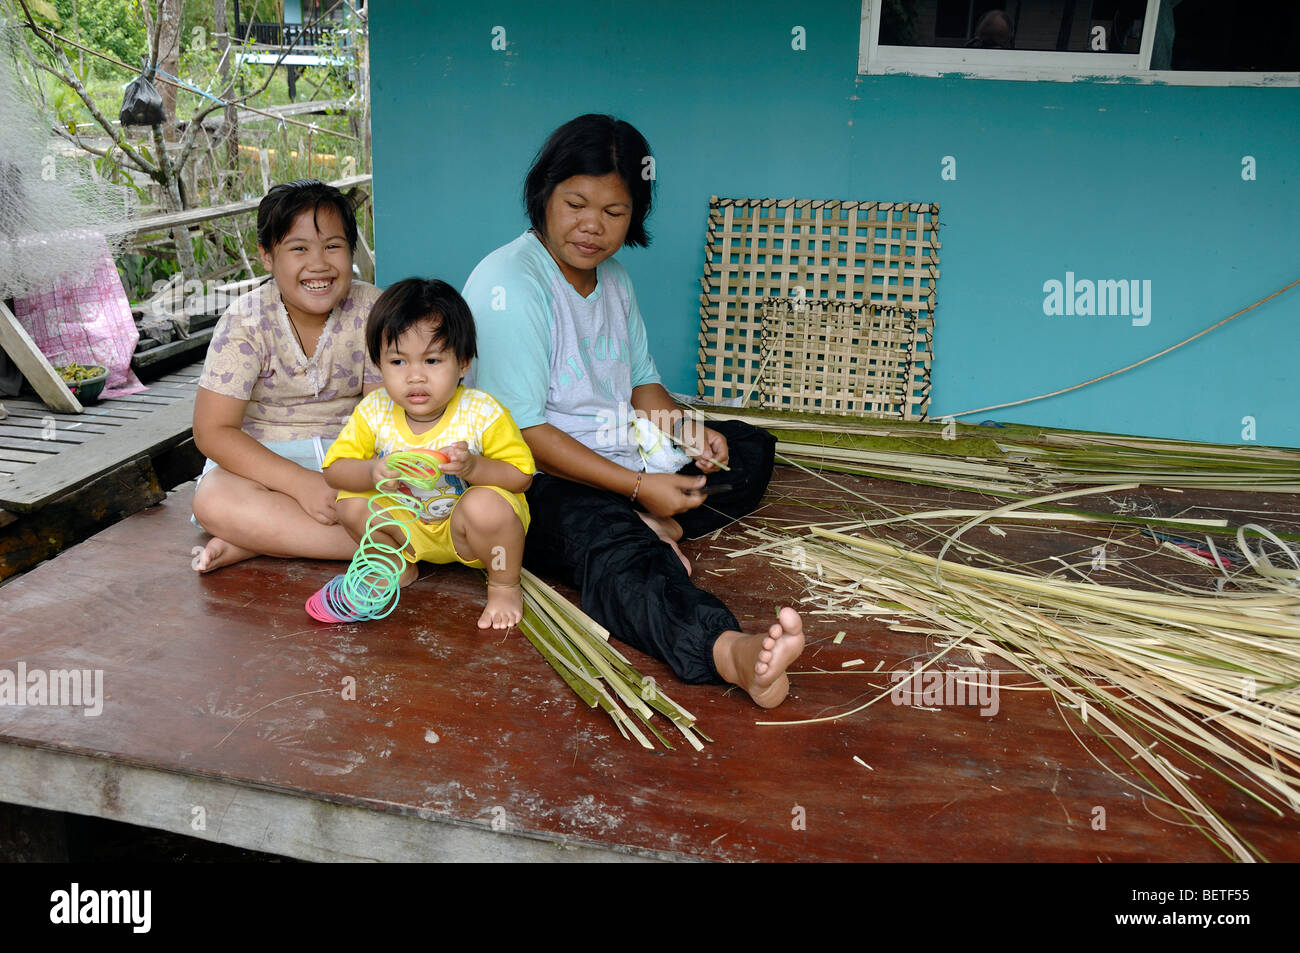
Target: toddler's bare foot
<point x="505" y="606"/>
<point x="670" y="531"/>
<point x="216" y="554"/>
<point x="409" y="575"/>
<point x="757" y="663"/>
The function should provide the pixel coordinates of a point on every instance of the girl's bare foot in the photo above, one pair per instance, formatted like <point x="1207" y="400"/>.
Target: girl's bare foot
<point x="757" y="663"/>
<point x="216" y="554"/>
<point x="505" y="606"/>
<point x="669" y="531"/>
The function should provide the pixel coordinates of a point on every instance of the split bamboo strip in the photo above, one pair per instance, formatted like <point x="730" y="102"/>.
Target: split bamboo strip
<point x="1010" y="460"/>
<point x="1215" y="679"/>
<point x="1124" y="600"/>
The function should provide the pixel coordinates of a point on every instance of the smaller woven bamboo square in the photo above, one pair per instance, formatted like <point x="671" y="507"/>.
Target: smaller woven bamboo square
<point x="835" y="357"/>
<point x="882" y="253"/>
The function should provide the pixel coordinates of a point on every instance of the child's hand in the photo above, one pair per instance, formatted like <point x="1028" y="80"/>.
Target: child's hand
<point x="460" y="461"/>
<point x="379" y="471"/>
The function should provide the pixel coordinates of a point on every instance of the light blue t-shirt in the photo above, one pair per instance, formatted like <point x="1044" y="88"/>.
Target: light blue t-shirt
<point x="552" y="356"/>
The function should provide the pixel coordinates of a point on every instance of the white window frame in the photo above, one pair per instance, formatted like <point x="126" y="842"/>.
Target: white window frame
<point x="1063" y="67"/>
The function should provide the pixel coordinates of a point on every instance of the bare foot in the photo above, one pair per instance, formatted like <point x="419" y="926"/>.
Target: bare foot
<point x="216" y="554"/>
<point x="409" y="575"/>
<point x="410" y="572"/>
<point x="665" y="527"/>
<point x="757" y="663"/>
<point x="505" y="606"/>
<point x="669" y="531"/>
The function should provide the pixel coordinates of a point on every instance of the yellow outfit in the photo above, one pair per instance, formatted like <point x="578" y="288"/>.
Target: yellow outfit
<point x="379" y="426"/>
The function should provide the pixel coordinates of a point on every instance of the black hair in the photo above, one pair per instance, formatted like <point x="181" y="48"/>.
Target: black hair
<point x="412" y="300"/>
<point x="593" y="145"/>
<point x="282" y="203"/>
<point x="994" y="31"/>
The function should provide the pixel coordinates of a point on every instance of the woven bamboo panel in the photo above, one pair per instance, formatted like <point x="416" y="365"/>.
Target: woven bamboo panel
<point x="884" y="253"/>
<point x="836" y="357"/>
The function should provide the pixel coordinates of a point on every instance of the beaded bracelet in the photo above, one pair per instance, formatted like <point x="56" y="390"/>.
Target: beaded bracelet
<point x="637" y="489"/>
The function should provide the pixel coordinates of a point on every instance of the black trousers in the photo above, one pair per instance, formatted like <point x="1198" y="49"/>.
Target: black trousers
<point x="630" y="581"/>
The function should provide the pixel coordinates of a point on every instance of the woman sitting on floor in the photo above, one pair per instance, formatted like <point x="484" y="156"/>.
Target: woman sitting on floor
<point x="563" y="346"/>
<point x="285" y="368"/>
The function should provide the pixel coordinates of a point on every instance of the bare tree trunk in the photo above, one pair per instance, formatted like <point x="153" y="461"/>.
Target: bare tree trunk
<point x="169" y="59"/>
<point x="171" y="187"/>
<point x="76" y="35"/>
<point x="364" y="85"/>
<point x="229" y="132"/>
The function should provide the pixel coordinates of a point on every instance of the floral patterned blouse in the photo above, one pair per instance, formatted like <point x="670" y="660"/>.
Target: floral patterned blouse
<point x="255" y="356"/>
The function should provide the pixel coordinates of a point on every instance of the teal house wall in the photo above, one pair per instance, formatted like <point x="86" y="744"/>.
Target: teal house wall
<point x="1102" y="180"/>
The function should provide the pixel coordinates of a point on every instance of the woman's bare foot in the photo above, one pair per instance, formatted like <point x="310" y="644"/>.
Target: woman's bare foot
<point x="757" y="663"/>
<point x="216" y="554"/>
<point x="669" y="531"/>
<point x="505" y="606"/>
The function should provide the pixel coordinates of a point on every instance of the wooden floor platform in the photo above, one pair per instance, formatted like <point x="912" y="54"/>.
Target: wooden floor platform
<point x="230" y="715"/>
<point x="64" y="477"/>
<point x="44" y="454"/>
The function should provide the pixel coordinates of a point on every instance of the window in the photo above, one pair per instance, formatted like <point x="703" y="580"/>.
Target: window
<point x="1182" y="42"/>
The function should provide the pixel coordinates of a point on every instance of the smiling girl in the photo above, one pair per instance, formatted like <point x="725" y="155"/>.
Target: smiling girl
<point x="284" y="370"/>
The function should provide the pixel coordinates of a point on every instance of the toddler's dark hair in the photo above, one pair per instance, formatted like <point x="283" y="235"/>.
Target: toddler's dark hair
<point x="412" y="300"/>
<point x="282" y="203"/>
<point x="592" y="145"/>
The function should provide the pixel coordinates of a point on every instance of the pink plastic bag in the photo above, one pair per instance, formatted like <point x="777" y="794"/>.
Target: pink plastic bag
<point x="86" y="320"/>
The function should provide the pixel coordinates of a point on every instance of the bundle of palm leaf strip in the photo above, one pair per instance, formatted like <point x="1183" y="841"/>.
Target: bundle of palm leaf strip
<point x="579" y="651"/>
<point x="1212" y="679"/>
<point x="1012" y="460"/>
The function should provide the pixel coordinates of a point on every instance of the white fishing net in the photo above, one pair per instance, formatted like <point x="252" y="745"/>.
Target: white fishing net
<point x="54" y="213"/>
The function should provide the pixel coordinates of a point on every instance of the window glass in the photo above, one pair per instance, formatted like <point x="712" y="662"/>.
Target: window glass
<point x="1073" y="26"/>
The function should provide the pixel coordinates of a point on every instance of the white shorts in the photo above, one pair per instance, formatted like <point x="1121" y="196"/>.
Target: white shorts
<point x="308" y="453"/>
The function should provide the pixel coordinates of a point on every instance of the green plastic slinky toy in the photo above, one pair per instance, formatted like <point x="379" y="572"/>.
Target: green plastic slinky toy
<point x="369" y="589"/>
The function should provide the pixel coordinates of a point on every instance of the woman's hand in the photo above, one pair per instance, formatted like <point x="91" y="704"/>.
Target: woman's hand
<point x="317" y="498"/>
<point x="667" y="494"/>
<point x="708" y="447"/>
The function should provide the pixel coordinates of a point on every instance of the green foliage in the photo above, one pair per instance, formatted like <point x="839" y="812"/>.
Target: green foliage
<point x="114" y="27"/>
<point x="140" y="272"/>
<point x="44" y="12"/>
<point x="199" y="14"/>
<point x="67" y="106"/>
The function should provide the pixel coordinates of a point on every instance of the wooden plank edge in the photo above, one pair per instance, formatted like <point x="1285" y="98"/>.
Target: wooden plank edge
<point x="262" y="818"/>
<point x="43" y="482"/>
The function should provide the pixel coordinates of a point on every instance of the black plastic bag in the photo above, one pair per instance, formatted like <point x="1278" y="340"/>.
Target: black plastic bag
<point x="142" y="106"/>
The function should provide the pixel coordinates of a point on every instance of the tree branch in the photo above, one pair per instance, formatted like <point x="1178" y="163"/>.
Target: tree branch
<point x="119" y="138"/>
<point x="77" y="141"/>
